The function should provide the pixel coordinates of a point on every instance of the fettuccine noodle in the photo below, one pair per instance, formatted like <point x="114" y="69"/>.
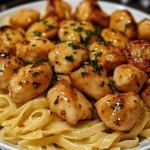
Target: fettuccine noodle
<point x="32" y="126"/>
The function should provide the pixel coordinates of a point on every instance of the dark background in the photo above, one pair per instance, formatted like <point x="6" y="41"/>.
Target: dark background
<point x="143" y="5"/>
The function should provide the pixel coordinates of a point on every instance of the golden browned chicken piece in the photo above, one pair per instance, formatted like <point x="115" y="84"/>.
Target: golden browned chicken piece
<point x="128" y="78"/>
<point x="3" y="47"/>
<point x="10" y="36"/>
<point x="123" y="20"/>
<point x="46" y="28"/>
<point x="108" y="56"/>
<point x="138" y="53"/>
<point x="115" y="37"/>
<point x="24" y="18"/>
<point x="68" y="103"/>
<point x="9" y="65"/>
<point x="67" y="56"/>
<point x="32" y="49"/>
<point x="91" y="80"/>
<point x="145" y="93"/>
<point x="119" y="112"/>
<point x="58" y="9"/>
<point x="30" y="81"/>
<point x="144" y="29"/>
<point x="74" y="30"/>
<point x="89" y="10"/>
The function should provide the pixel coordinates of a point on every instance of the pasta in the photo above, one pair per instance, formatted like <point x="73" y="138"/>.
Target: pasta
<point x="29" y="122"/>
<point x="32" y="127"/>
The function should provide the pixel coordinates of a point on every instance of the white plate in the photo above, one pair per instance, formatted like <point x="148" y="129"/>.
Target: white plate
<point x="108" y="8"/>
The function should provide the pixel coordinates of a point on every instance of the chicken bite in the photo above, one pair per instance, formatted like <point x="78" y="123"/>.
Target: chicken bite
<point x="46" y="28"/>
<point x="116" y="38"/>
<point x="68" y="103"/>
<point x="89" y="10"/>
<point x="144" y="29"/>
<point x="145" y="93"/>
<point x="30" y="81"/>
<point x="128" y="78"/>
<point x="91" y="80"/>
<point x="58" y="9"/>
<point x="137" y="52"/>
<point x="10" y="36"/>
<point x="67" y="56"/>
<point x="108" y="56"/>
<point x="74" y="30"/>
<point x="119" y="112"/>
<point x="32" y="49"/>
<point x="9" y="65"/>
<point x="24" y="18"/>
<point x="123" y="20"/>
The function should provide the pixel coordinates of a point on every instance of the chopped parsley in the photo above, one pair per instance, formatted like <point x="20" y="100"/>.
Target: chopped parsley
<point x="88" y="33"/>
<point x="37" y="33"/>
<point x="127" y="26"/>
<point x="15" y="70"/>
<point x="69" y="58"/>
<point x="78" y="29"/>
<point x="49" y="27"/>
<point x="9" y="39"/>
<point x="83" y="73"/>
<point x="99" y="54"/>
<point x="96" y="66"/>
<point x="71" y="44"/>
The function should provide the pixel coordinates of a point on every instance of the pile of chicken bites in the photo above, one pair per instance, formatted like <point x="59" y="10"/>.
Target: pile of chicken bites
<point x="86" y="62"/>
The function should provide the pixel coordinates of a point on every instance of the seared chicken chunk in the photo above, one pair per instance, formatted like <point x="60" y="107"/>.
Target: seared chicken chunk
<point x="108" y="56"/>
<point x="33" y="49"/>
<point x="119" y="112"/>
<point x="123" y="20"/>
<point x="68" y="103"/>
<point x="45" y="28"/>
<point x="24" y="18"/>
<point x="10" y="36"/>
<point x="91" y="80"/>
<point x="3" y="47"/>
<point x="138" y="53"/>
<point x="89" y="10"/>
<point x="128" y="78"/>
<point x="144" y="29"/>
<point x="58" y="9"/>
<point x="116" y="38"/>
<point x="9" y="65"/>
<point x="67" y="56"/>
<point x="74" y="30"/>
<point x="145" y="94"/>
<point x="30" y="81"/>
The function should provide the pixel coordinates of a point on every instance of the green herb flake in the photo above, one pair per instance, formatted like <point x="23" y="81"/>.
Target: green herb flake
<point x="9" y="39"/>
<point x="37" y="33"/>
<point x="88" y="33"/>
<point x="83" y="73"/>
<point x="71" y="44"/>
<point x="69" y="58"/>
<point x="99" y="54"/>
<point x="78" y="29"/>
<point x="111" y="84"/>
<point x="15" y="70"/>
<point x="54" y="79"/>
<point x="96" y="66"/>
<point x="49" y="27"/>
<point x="127" y="26"/>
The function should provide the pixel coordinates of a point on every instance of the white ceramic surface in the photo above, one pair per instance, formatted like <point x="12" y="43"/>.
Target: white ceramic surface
<point x="108" y="8"/>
